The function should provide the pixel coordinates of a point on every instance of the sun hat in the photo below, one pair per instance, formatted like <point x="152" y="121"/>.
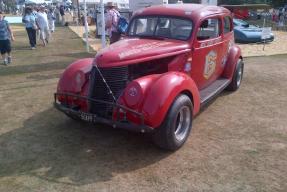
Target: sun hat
<point x="111" y="4"/>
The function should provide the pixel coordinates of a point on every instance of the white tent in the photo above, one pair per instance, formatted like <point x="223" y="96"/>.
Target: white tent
<point x="34" y="1"/>
<point x="121" y="3"/>
<point x="105" y="1"/>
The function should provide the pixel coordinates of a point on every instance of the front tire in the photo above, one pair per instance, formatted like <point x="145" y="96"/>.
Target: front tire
<point x="175" y="129"/>
<point x="237" y="76"/>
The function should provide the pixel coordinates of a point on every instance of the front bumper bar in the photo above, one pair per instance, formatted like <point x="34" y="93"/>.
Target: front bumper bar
<point x="93" y="118"/>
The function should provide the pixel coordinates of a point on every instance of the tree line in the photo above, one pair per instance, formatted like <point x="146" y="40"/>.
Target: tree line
<point x="273" y="3"/>
<point x="7" y="5"/>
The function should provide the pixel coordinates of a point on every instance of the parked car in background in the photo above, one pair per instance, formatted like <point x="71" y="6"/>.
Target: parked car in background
<point x="246" y="33"/>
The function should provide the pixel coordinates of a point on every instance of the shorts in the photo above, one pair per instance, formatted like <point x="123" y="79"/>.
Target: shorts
<point x="115" y="37"/>
<point x="5" y="46"/>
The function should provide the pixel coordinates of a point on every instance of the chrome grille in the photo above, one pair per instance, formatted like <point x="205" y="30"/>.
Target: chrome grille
<point x="116" y="78"/>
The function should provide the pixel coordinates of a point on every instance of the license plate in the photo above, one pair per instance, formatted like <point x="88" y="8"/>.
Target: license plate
<point x="88" y="117"/>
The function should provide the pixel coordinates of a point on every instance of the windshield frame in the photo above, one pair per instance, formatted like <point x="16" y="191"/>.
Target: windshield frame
<point x="158" y="18"/>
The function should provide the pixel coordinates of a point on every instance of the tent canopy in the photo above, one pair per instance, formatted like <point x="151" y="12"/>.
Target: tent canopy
<point x="105" y="1"/>
<point x="247" y="6"/>
<point x="34" y="1"/>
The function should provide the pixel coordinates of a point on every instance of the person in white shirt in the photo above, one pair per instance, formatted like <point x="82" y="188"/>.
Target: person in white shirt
<point x="51" y="19"/>
<point x="42" y="22"/>
<point x="111" y="22"/>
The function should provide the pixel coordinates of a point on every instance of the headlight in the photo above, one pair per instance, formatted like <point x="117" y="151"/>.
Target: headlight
<point x="133" y="94"/>
<point x="79" y="80"/>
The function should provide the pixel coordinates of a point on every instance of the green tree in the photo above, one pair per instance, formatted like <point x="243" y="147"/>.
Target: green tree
<point x="274" y="3"/>
<point x="278" y="3"/>
<point x="9" y="4"/>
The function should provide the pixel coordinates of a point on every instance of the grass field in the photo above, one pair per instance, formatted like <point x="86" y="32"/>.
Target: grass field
<point x="64" y="47"/>
<point x="238" y="143"/>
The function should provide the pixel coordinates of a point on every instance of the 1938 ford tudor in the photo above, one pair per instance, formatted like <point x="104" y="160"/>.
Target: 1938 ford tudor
<point x="173" y="60"/>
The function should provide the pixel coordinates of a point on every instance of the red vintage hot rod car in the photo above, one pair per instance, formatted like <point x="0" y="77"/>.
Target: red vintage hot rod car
<point x="173" y="60"/>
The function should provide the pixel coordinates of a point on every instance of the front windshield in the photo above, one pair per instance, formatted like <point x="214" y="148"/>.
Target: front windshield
<point x="161" y="27"/>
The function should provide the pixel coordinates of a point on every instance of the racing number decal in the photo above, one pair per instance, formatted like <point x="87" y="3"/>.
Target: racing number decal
<point x="210" y="64"/>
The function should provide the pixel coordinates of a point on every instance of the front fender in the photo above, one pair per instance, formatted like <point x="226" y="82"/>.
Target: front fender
<point x="234" y="55"/>
<point x="75" y="76"/>
<point x="160" y="91"/>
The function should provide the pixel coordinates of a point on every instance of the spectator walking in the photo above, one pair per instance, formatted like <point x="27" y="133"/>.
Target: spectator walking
<point x="42" y="21"/>
<point x="62" y="13"/>
<point x="95" y="16"/>
<point x="6" y="34"/>
<point x="112" y="22"/>
<point x="280" y="23"/>
<point x="51" y="19"/>
<point x="30" y="23"/>
<point x="35" y="11"/>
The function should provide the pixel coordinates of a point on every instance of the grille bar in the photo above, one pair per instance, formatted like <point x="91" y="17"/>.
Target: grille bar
<point x="116" y="78"/>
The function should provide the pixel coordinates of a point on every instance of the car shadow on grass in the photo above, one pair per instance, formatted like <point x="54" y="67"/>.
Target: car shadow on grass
<point x="52" y="147"/>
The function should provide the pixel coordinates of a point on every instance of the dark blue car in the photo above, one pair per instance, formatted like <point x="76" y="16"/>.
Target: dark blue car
<point x="246" y="33"/>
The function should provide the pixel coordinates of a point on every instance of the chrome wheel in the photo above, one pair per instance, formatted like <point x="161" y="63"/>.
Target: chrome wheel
<point x="183" y="123"/>
<point x="176" y="127"/>
<point x="239" y="76"/>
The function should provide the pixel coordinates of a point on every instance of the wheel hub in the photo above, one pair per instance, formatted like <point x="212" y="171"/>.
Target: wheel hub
<point x="182" y="124"/>
<point x="239" y="76"/>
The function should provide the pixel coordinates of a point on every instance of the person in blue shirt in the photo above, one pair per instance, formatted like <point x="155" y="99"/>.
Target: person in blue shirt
<point x="31" y="26"/>
<point x="6" y="34"/>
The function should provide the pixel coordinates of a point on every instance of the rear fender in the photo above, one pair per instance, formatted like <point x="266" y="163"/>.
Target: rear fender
<point x="157" y="93"/>
<point x="234" y="55"/>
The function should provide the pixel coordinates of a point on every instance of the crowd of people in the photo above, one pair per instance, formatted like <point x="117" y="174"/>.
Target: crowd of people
<point x="279" y="16"/>
<point x="39" y="21"/>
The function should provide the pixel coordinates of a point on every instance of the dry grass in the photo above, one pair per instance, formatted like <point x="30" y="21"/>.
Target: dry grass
<point x="238" y="143"/>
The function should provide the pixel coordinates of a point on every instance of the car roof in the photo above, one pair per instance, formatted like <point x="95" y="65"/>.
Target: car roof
<point x="193" y="11"/>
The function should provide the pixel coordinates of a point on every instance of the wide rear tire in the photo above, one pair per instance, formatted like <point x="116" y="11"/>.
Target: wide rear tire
<point x="175" y="129"/>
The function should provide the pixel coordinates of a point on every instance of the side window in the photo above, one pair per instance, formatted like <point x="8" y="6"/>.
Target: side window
<point x="227" y="25"/>
<point x="209" y="29"/>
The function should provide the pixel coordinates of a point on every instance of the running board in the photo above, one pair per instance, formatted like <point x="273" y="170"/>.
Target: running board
<point x="212" y="90"/>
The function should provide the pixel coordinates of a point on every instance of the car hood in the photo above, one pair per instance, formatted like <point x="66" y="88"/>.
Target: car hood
<point x="136" y="50"/>
<point x="250" y="32"/>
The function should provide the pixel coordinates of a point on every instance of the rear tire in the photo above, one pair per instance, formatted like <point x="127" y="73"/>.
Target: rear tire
<point x="175" y="129"/>
<point x="237" y="76"/>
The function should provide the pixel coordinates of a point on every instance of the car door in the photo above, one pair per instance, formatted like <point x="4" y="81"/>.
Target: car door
<point x="207" y="51"/>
